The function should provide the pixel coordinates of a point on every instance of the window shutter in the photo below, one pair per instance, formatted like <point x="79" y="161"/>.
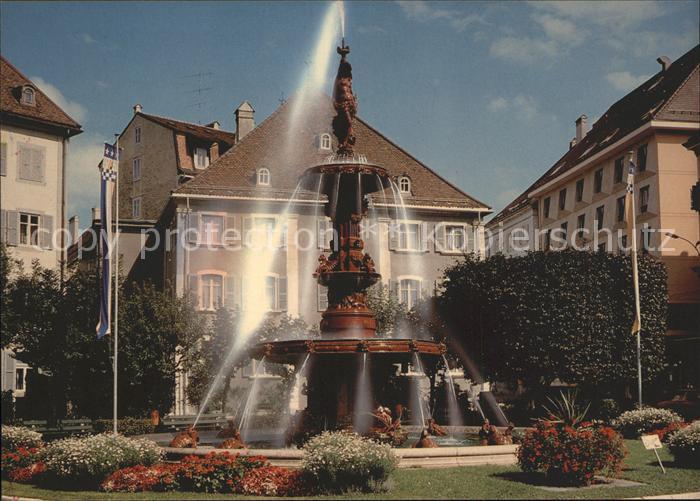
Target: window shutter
<point x="283" y="236"/>
<point x="440" y="235"/>
<point x="282" y="293"/>
<point x="3" y="226"/>
<point x="46" y="232"/>
<point x="192" y="227"/>
<point x="12" y="227"/>
<point x="393" y="235"/>
<point x="193" y="289"/>
<point x="243" y="293"/>
<point x="321" y="234"/>
<point x="230" y="291"/>
<point x="423" y="237"/>
<point x="394" y="289"/>
<point x="24" y="162"/>
<point x="3" y="159"/>
<point x="322" y="299"/>
<point x="247" y="226"/>
<point x="230" y="229"/>
<point x="38" y="164"/>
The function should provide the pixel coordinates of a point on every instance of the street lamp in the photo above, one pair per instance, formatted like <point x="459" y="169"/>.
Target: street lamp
<point x="695" y="245"/>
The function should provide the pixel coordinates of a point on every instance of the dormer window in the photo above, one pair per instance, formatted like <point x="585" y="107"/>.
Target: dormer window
<point x="404" y="185"/>
<point x="28" y="95"/>
<point x="263" y="177"/>
<point x="201" y="158"/>
<point x="325" y="141"/>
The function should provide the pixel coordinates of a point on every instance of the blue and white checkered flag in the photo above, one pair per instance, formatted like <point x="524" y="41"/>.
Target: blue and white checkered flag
<point x="109" y="168"/>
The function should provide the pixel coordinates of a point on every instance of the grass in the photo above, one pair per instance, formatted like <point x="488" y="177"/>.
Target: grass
<point x="475" y="482"/>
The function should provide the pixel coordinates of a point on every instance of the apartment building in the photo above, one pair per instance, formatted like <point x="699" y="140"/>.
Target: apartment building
<point x="581" y="198"/>
<point x="34" y="137"/>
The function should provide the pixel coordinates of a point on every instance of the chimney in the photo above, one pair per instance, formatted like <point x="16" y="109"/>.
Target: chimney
<point x="572" y="143"/>
<point x="95" y="214"/>
<point x="664" y="61"/>
<point x="73" y="229"/>
<point x="581" y="127"/>
<point x="245" y="120"/>
<point x="137" y="108"/>
<point x="214" y="125"/>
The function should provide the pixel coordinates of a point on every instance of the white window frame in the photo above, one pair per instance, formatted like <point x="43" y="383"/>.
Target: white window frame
<point x="269" y="242"/>
<point x="201" y="275"/>
<point x="21" y="391"/>
<point x="203" y="154"/>
<point x="263" y="177"/>
<point x="412" y="278"/>
<point x="32" y="237"/>
<point x="404" y="185"/>
<point x="28" y="91"/>
<point x="262" y="306"/>
<point x="203" y="234"/>
<point x="419" y="235"/>
<point x="137" y="135"/>
<point x="452" y="248"/>
<point x="325" y="141"/>
<point x="136" y="208"/>
<point x="136" y="169"/>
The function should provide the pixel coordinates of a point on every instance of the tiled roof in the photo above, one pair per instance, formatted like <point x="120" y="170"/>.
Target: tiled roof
<point x="670" y="95"/>
<point x="200" y="131"/>
<point x="44" y="110"/>
<point x="287" y="142"/>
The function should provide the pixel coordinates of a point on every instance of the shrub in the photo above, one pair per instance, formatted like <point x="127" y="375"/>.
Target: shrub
<point x="216" y="472"/>
<point x="342" y="461"/>
<point x="16" y="437"/>
<point x="273" y="481"/>
<point x="685" y="445"/>
<point x="608" y="409"/>
<point x="17" y="459"/>
<point x="126" y="426"/>
<point x="159" y="477"/>
<point x="636" y="422"/>
<point x="90" y="459"/>
<point x="571" y="456"/>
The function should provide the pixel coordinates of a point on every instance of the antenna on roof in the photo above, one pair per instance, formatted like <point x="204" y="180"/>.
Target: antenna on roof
<point x="200" y="91"/>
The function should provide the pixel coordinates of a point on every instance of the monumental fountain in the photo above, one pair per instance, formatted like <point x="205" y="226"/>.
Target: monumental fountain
<point x="347" y="369"/>
<point x="340" y="390"/>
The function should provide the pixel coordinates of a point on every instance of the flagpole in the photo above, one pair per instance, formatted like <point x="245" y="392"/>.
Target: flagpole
<point x="116" y="291"/>
<point x="635" y="282"/>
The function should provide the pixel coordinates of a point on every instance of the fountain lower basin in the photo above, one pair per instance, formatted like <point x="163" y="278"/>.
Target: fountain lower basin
<point x="288" y="352"/>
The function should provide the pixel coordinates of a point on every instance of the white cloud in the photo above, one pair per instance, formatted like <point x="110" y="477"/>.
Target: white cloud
<point x="521" y="106"/>
<point x="561" y="30"/>
<point x="620" y="14"/>
<point x="624" y="80"/>
<point x="75" y="110"/>
<point x="424" y="11"/>
<point x="84" y="153"/>
<point x="498" y="104"/>
<point x="87" y="38"/>
<point x="523" y="50"/>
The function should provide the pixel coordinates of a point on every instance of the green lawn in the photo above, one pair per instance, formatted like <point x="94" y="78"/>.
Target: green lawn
<point x="462" y="483"/>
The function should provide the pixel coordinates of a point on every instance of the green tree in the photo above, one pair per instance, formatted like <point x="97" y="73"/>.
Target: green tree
<point x="549" y="315"/>
<point x="53" y="330"/>
<point x="387" y="308"/>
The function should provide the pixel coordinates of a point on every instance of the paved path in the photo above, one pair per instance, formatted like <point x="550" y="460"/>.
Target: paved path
<point x="685" y="495"/>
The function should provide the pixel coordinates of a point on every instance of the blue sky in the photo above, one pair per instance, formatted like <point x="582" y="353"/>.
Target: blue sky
<point x="486" y="93"/>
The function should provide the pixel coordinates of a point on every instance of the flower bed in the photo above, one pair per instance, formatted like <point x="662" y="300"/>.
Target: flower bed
<point x="665" y="433"/>
<point x="637" y="422"/>
<point x="88" y="460"/>
<point x="274" y="481"/>
<point x="571" y="456"/>
<point x="685" y="445"/>
<point x="342" y="462"/>
<point x="18" y="459"/>
<point x="159" y="477"/>
<point x="16" y="437"/>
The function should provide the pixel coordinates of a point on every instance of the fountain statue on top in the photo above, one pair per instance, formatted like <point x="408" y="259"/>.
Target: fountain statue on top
<point x="345" y="104"/>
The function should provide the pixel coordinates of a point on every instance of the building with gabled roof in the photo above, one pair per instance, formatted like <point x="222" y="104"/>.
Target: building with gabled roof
<point x="34" y="137"/>
<point x="581" y="197"/>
